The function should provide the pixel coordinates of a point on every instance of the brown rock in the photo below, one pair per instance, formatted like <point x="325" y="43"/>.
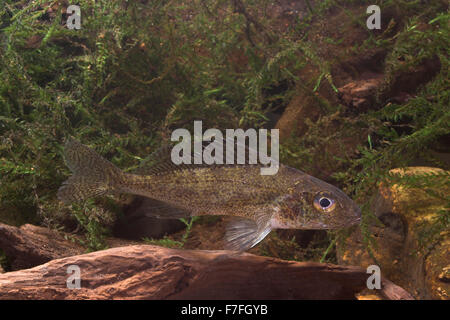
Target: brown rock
<point x="406" y="82"/>
<point x="151" y="272"/>
<point x="397" y="251"/>
<point x="361" y="93"/>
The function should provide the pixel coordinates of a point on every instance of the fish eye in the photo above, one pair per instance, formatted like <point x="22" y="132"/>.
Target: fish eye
<point x="324" y="203"/>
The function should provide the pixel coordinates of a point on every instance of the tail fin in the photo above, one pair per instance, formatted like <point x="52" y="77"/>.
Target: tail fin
<point x="92" y="174"/>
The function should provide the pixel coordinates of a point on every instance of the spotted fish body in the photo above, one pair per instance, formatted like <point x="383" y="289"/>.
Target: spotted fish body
<point x="290" y="199"/>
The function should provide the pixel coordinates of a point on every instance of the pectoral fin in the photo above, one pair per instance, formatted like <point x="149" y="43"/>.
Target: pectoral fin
<point x="243" y="234"/>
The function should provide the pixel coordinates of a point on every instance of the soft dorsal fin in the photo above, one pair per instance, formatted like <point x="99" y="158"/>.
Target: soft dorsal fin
<point x="158" y="161"/>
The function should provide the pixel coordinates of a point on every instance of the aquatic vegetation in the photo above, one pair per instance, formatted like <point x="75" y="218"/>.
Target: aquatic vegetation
<point x="170" y="243"/>
<point x="164" y="242"/>
<point x="136" y="70"/>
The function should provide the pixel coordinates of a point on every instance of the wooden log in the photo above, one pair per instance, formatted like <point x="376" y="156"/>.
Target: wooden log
<point x="29" y="245"/>
<point x="152" y="272"/>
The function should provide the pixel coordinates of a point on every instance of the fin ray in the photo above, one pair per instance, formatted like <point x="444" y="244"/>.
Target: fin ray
<point x="92" y="174"/>
<point x="243" y="234"/>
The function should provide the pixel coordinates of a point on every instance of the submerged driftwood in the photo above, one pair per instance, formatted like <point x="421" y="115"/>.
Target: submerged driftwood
<point x="30" y="246"/>
<point x="152" y="272"/>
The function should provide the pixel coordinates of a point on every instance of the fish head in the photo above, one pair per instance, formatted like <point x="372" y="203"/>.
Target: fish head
<point x="315" y="204"/>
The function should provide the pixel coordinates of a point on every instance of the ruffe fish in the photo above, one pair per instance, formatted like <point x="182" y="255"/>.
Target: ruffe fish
<point x="290" y="199"/>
